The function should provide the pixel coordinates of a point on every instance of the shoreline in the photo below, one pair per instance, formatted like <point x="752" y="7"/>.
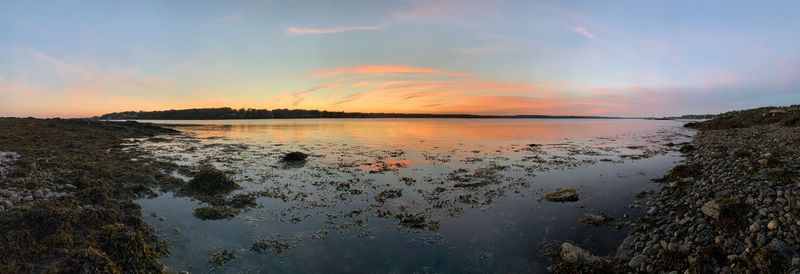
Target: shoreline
<point x="731" y="207"/>
<point x="67" y="195"/>
<point x="68" y="187"/>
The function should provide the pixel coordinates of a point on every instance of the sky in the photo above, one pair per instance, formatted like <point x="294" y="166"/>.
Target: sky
<point x="616" y="58"/>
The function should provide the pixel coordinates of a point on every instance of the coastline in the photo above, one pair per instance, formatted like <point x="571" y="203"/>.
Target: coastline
<point x="731" y="207"/>
<point x="67" y="197"/>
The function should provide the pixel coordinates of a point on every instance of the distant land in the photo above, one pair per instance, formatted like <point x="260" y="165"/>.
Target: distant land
<point x="230" y="113"/>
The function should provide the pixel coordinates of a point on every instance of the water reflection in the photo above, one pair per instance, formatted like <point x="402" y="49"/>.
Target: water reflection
<point x="411" y="195"/>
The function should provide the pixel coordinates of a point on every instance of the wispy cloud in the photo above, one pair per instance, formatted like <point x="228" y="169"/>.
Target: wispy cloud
<point x="231" y="17"/>
<point x="385" y="69"/>
<point x="454" y="12"/>
<point x="485" y="49"/>
<point x="311" y="31"/>
<point x="87" y="77"/>
<point x="317" y="88"/>
<point x="586" y="33"/>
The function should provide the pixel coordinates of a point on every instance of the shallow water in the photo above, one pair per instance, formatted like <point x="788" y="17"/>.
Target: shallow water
<point x="471" y="191"/>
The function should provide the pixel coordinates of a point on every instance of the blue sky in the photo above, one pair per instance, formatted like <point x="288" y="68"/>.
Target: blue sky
<point x="632" y="58"/>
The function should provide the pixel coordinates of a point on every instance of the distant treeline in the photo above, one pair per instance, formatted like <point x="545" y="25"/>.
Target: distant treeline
<point x="249" y="113"/>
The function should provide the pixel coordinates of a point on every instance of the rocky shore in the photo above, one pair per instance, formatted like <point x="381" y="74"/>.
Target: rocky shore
<point x="732" y="207"/>
<point x="66" y="190"/>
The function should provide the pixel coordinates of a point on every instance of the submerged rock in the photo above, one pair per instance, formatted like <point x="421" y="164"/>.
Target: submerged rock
<point x="210" y="181"/>
<point x="573" y="254"/>
<point x="295" y="156"/>
<point x="595" y="219"/>
<point x="562" y="195"/>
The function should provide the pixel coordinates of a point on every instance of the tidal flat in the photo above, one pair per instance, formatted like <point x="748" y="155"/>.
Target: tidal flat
<point x="332" y="196"/>
<point x="405" y="195"/>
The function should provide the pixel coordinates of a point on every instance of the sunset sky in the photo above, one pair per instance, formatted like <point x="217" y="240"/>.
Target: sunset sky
<point x="630" y="58"/>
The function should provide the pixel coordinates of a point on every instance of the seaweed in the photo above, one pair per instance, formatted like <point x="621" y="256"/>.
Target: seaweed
<point x="210" y="181"/>
<point x="562" y="195"/>
<point x="87" y="260"/>
<point x="388" y="194"/>
<point x="220" y="258"/>
<point x="215" y="212"/>
<point x="88" y="229"/>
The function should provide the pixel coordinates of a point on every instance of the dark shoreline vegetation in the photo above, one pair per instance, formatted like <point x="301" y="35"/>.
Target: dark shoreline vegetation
<point x="230" y="113"/>
<point x="67" y="189"/>
<point x="732" y="207"/>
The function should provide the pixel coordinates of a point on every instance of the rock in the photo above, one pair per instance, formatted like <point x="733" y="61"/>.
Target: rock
<point x="210" y="181"/>
<point x="711" y="209"/>
<point x="644" y="193"/>
<point x="637" y="261"/>
<point x="38" y="194"/>
<point x="70" y="186"/>
<point x="772" y="225"/>
<point x="562" y="195"/>
<point x="687" y="148"/>
<point x="594" y="219"/>
<point x="783" y="249"/>
<point x="8" y="204"/>
<point x="574" y="254"/>
<point x="295" y="156"/>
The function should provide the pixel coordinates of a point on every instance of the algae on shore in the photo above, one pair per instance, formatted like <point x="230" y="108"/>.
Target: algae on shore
<point x="81" y="212"/>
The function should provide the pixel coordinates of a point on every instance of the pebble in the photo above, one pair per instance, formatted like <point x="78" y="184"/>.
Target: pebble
<point x="772" y="225"/>
<point x="685" y="217"/>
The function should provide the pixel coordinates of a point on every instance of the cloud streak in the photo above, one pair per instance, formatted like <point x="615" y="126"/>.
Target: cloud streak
<point x="385" y="70"/>
<point x="317" y="31"/>
<point x="585" y="33"/>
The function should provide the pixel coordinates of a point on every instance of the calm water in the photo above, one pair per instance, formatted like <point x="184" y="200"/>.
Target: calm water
<point x="471" y="191"/>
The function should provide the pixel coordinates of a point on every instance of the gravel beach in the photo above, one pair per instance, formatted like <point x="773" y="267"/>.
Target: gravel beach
<point x="732" y="207"/>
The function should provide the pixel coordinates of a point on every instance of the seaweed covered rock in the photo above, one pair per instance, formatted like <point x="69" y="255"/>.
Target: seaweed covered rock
<point x="215" y="212"/>
<point x="210" y="181"/>
<point x="774" y="257"/>
<point x="87" y="260"/>
<point x="562" y="195"/>
<point x="295" y="156"/>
